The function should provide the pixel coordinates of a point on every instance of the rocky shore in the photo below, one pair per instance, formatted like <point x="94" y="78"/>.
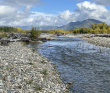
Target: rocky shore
<point x="99" y="41"/>
<point x="22" y="70"/>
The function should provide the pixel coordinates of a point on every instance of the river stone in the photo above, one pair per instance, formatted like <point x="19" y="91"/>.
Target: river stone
<point x="4" y="42"/>
<point x="15" y="67"/>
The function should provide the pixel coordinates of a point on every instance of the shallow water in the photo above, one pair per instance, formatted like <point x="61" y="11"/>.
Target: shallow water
<point x="85" y="65"/>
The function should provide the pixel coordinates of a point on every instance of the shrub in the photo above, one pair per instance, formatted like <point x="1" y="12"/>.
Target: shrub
<point x="29" y="82"/>
<point x="30" y="63"/>
<point x="44" y="72"/>
<point x="34" y="33"/>
<point x="3" y="35"/>
<point x="38" y="87"/>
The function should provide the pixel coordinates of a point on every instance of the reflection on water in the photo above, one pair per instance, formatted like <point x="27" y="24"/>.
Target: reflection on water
<point x="85" y="65"/>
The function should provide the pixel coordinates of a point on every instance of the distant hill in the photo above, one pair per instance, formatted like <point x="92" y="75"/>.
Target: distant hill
<point x="78" y="24"/>
<point x="71" y="25"/>
<point x="40" y="28"/>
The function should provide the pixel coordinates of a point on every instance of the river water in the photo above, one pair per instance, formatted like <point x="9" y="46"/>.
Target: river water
<point x="85" y="65"/>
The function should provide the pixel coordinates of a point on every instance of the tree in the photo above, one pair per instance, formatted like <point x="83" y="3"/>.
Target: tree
<point x="93" y="26"/>
<point x="34" y="33"/>
<point x="108" y="30"/>
<point x="18" y="29"/>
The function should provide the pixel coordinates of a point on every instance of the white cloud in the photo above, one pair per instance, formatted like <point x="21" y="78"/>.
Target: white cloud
<point x="91" y="10"/>
<point x="102" y="2"/>
<point x="65" y="15"/>
<point x="5" y="10"/>
<point x="91" y="6"/>
<point x="11" y="15"/>
<point x="34" y="14"/>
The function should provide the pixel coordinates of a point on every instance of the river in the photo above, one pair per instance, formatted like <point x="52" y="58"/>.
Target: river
<point x="85" y="65"/>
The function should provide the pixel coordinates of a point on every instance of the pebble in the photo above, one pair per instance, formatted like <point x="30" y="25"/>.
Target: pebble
<point x="22" y="71"/>
<point x="99" y="41"/>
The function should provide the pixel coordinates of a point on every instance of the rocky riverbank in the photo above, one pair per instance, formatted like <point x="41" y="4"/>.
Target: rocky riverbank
<point x="100" y="41"/>
<point x="22" y="70"/>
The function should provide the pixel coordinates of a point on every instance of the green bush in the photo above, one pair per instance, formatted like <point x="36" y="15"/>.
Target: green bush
<point x="29" y="82"/>
<point x="34" y="33"/>
<point x="44" y="72"/>
<point x="30" y="63"/>
<point x="38" y="87"/>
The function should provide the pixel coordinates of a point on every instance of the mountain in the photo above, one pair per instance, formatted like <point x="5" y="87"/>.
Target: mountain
<point x="71" y="25"/>
<point x="78" y="24"/>
<point x="48" y="28"/>
<point x="25" y="27"/>
<point x="40" y="28"/>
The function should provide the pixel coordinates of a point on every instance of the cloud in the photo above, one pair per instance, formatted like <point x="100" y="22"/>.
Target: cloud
<point x="21" y="2"/>
<point x="65" y="15"/>
<point x="11" y="15"/>
<point x="91" y="10"/>
<point x="27" y="4"/>
<point x="102" y="2"/>
<point x="5" y="10"/>
<point x="53" y="20"/>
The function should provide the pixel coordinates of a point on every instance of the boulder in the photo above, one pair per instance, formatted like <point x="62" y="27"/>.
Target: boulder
<point x="5" y="42"/>
<point x="25" y="39"/>
<point x="43" y="39"/>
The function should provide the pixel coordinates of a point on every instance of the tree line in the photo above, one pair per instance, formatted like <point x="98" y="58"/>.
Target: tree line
<point x="11" y="29"/>
<point x="100" y="28"/>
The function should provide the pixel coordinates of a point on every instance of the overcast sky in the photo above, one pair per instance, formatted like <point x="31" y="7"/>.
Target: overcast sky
<point x="52" y="12"/>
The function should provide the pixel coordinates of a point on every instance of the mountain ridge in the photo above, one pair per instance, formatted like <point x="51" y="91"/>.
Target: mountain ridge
<point x="69" y="26"/>
<point x="78" y="24"/>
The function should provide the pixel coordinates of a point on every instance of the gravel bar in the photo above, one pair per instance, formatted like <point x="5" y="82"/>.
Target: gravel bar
<point x="99" y="41"/>
<point x="22" y="70"/>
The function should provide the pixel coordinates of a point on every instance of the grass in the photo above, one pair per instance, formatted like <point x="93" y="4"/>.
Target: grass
<point x="44" y="72"/>
<point x="33" y="50"/>
<point x="7" y="68"/>
<point x="30" y="81"/>
<point x="30" y="63"/>
<point x="3" y="35"/>
<point x="43" y="61"/>
<point x="38" y="87"/>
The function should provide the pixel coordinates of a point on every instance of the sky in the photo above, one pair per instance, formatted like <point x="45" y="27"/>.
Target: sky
<point x="52" y="12"/>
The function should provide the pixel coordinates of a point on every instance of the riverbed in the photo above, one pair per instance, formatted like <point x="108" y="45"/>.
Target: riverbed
<point x="85" y="65"/>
